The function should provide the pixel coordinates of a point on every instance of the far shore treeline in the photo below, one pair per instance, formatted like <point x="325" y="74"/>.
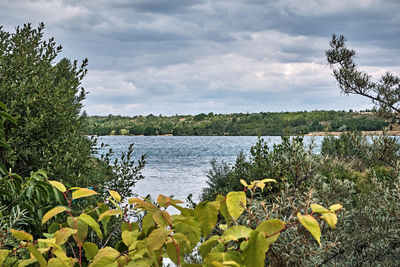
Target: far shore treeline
<point x="263" y="123"/>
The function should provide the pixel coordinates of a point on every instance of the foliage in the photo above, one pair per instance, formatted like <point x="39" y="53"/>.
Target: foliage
<point x="264" y="123"/>
<point x="384" y="93"/>
<point x="160" y="235"/>
<point x="289" y="160"/>
<point x="364" y="151"/>
<point x="45" y="100"/>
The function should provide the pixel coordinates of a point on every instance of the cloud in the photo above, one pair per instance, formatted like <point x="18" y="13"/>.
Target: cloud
<point x="184" y="56"/>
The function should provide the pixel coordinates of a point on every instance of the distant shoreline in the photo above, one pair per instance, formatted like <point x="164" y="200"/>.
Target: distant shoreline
<point x="390" y="133"/>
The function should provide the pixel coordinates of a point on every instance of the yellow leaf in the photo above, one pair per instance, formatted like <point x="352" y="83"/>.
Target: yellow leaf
<point x="316" y="208"/>
<point x="21" y="235"/>
<point x="335" y="207"/>
<point x="330" y="219"/>
<point x="311" y="225"/>
<point x="141" y="204"/>
<point x="53" y="212"/>
<point x="243" y="182"/>
<point x="115" y="195"/>
<point x="109" y="213"/>
<point x="63" y="234"/>
<point x="83" y="192"/>
<point x="272" y="228"/>
<point x="157" y="238"/>
<point x="268" y="180"/>
<point x="3" y="255"/>
<point x="162" y="218"/>
<point x="165" y="201"/>
<point x="235" y="202"/>
<point x="128" y="237"/>
<point x="58" y="185"/>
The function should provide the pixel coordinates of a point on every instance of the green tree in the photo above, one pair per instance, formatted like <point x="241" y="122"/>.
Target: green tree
<point x="45" y="97"/>
<point x="384" y="93"/>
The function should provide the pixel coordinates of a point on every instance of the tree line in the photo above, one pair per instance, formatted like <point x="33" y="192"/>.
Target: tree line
<point x="263" y="123"/>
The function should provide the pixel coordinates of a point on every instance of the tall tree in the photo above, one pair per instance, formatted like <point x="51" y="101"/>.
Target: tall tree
<point x="45" y="98"/>
<point x="384" y="93"/>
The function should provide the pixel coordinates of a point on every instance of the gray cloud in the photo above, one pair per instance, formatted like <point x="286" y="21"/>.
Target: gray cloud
<point x="193" y="56"/>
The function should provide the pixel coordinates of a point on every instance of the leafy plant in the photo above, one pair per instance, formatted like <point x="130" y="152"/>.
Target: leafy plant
<point x="160" y="235"/>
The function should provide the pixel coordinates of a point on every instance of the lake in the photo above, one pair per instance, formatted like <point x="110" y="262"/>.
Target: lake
<point x="178" y="165"/>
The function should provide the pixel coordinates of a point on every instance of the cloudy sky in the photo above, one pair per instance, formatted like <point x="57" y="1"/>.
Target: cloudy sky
<point x="191" y="56"/>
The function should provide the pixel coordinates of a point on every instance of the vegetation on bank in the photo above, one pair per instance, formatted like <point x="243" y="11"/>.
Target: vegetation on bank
<point x="264" y="123"/>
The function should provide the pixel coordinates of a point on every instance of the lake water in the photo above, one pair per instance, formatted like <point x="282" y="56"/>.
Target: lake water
<point x="178" y="165"/>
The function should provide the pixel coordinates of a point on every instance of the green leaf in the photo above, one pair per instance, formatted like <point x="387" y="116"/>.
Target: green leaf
<point x="157" y="238"/>
<point x="53" y="212"/>
<point x="83" y="192"/>
<point x="92" y="223"/>
<point x="109" y="213"/>
<point x="148" y="222"/>
<point x="237" y="232"/>
<point x="221" y="257"/>
<point x="36" y="253"/>
<point x="3" y="255"/>
<point x="183" y="244"/>
<point x="335" y="207"/>
<point x="187" y="226"/>
<point x="254" y="253"/>
<point x="330" y="218"/>
<point x="129" y="236"/>
<point x="21" y="235"/>
<point x="235" y="202"/>
<point x="206" y="214"/>
<point x="224" y="209"/>
<point x="165" y="201"/>
<point x="272" y="229"/>
<point x="316" y="208"/>
<point x="91" y="250"/>
<point x="58" y="185"/>
<point x="311" y="225"/>
<point x="105" y="256"/>
<point x="207" y="245"/>
<point x="115" y="195"/>
<point x="57" y="262"/>
<point x="63" y="234"/>
<point x="82" y="228"/>
<point x="162" y="218"/>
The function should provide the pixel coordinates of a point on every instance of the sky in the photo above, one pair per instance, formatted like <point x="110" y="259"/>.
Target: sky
<point x="224" y="56"/>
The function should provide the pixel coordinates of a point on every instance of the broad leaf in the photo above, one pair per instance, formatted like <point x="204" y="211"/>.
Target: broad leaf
<point x="115" y="195"/>
<point x="63" y="234"/>
<point x="254" y="253"/>
<point x="237" y="232"/>
<point x="206" y="214"/>
<point x="92" y="223"/>
<point x="109" y="213"/>
<point x="105" y="256"/>
<point x="58" y="185"/>
<point x="157" y="238"/>
<point x="162" y="218"/>
<point x="335" y="207"/>
<point x="272" y="229"/>
<point x="91" y="250"/>
<point x="53" y="212"/>
<point x="224" y="209"/>
<point x="21" y="235"/>
<point x="129" y="236"/>
<point x="330" y="218"/>
<point x="235" y="202"/>
<point x="316" y="208"/>
<point x="311" y="225"/>
<point x="83" y="192"/>
<point x="3" y="255"/>
<point x="38" y="256"/>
